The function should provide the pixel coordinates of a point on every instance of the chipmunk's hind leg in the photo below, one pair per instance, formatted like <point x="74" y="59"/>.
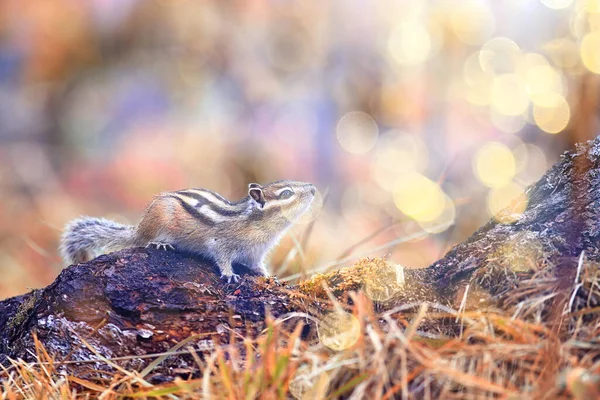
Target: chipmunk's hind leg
<point x="260" y="268"/>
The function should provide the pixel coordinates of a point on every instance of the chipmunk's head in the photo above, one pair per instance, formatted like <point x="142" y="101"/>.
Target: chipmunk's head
<point x="284" y="200"/>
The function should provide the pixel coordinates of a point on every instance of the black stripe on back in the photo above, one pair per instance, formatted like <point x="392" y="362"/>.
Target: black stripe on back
<point x="197" y="196"/>
<point x="194" y="211"/>
<point x="239" y="207"/>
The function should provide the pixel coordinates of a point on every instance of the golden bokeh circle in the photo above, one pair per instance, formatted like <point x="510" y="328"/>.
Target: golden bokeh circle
<point x="507" y="123"/>
<point x="509" y="94"/>
<point x="520" y="253"/>
<point x="398" y="153"/>
<point x="494" y="165"/>
<point x="472" y="22"/>
<point x="385" y="282"/>
<point x="499" y="55"/>
<point x="542" y="82"/>
<point x="531" y="163"/>
<point x="590" y="51"/>
<point x="563" y="52"/>
<point x="307" y="385"/>
<point x="507" y="203"/>
<point x="592" y="6"/>
<point x="338" y="330"/>
<point x="479" y="82"/>
<point x="419" y="197"/>
<point x="554" y="116"/>
<point x="443" y="221"/>
<point x="409" y="43"/>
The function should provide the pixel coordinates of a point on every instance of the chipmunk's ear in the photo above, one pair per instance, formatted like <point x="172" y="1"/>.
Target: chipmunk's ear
<point x="257" y="195"/>
<point x="254" y="185"/>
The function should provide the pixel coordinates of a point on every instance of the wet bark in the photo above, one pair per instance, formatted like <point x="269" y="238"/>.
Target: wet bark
<point x="141" y="301"/>
<point x="134" y="302"/>
<point x="561" y="220"/>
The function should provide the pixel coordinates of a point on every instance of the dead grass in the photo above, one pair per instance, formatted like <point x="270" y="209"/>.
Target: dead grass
<point x="543" y="343"/>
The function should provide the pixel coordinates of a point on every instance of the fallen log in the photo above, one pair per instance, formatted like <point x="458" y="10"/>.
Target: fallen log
<point x="143" y="301"/>
<point x="133" y="302"/>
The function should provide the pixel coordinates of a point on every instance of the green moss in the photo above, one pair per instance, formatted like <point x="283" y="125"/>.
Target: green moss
<point x="24" y="310"/>
<point x="373" y="272"/>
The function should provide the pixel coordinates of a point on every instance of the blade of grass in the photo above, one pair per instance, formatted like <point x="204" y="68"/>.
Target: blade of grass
<point x="351" y="384"/>
<point x="173" y="349"/>
<point x="86" y="383"/>
<point x="326" y="266"/>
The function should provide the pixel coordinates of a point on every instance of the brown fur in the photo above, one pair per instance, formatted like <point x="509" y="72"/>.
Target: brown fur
<point x="202" y="222"/>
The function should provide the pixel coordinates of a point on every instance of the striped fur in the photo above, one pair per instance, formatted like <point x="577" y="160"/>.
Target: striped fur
<point x="202" y="222"/>
<point x="217" y="203"/>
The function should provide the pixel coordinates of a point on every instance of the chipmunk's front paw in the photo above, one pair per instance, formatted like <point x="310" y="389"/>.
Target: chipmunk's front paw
<point x="160" y="246"/>
<point x="233" y="277"/>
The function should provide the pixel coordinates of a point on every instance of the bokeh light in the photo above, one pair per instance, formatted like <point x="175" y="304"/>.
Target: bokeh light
<point x="499" y="55"/>
<point x="507" y="123"/>
<point x="479" y="81"/>
<point x="395" y="111"/>
<point x="339" y="330"/>
<point x="531" y="163"/>
<point x="494" y="165"/>
<point x="554" y="115"/>
<point x="578" y="23"/>
<point x="543" y="82"/>
<point x="409" y="43"/>
<point x="563" y="52"/>
<point x="385" y="282"/>
<point x="419" y="197"/>
<point x="509" y="94"/>
<point x="590" y="56"/>
<point x="398" y="153"/>
<point x="507" y="203"/>
<point x="472" y="22"/>
<point x="557" y="4"/>
<point x="308" y="385"/>
<point x="444" y="220"/>
<point x="357" y="132"/>
<point x="520" y="253"/>
<point x="592" y="6"/>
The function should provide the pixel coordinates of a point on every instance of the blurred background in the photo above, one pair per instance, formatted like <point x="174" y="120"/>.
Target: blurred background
<point x="417" y="120"/>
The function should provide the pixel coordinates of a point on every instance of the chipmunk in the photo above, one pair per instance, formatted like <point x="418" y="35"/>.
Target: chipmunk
<point x="201" y="222"/>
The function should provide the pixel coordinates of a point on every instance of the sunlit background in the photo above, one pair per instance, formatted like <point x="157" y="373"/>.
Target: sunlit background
<point x="415" y="119"/>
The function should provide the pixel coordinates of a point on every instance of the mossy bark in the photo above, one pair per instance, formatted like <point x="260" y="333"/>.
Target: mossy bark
<point x="140" y="301"/>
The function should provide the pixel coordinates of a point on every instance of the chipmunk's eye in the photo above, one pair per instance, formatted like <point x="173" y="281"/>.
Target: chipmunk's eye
<point x="286" y="194"/>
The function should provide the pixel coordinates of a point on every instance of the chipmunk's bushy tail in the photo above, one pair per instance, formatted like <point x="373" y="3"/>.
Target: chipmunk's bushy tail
<point x="86" y="238"/>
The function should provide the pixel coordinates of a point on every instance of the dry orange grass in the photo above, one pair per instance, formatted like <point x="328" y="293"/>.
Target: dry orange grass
<point x="535" y="347"/>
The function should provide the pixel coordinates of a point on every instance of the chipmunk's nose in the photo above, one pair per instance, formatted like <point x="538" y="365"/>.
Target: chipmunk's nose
<point x="313" y="190"/>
